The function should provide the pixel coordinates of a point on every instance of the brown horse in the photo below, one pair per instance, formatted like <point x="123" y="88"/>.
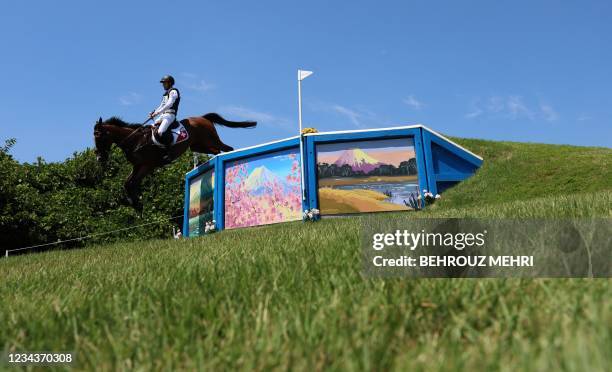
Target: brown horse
<point x="135" y="141"/>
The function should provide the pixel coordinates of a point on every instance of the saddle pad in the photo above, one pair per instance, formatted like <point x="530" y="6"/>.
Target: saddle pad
<point x="179" y="134"/>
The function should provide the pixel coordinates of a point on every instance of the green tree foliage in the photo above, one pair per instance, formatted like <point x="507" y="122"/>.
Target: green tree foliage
<point x="46" y="202"/>
<point x="8" y="144"/>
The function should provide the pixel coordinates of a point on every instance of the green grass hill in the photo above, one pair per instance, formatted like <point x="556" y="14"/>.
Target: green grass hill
<point x="291" y="296"/>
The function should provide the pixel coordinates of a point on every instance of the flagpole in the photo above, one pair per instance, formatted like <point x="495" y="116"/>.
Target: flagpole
<point x="301" y="135"/>
<point x="301" y="76"/>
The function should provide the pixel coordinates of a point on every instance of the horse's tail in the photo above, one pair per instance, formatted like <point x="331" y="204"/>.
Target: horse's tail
<point x="217" y="119"/>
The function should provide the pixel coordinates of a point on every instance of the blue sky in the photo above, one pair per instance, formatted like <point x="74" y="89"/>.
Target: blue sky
<point x="537" y="71"/>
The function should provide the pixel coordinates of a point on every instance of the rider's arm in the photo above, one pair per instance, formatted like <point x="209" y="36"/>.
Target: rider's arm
<point x="172" y="96"/>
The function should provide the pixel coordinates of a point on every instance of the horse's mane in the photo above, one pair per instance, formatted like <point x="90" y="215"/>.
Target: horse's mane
<point x="118" y="122"/>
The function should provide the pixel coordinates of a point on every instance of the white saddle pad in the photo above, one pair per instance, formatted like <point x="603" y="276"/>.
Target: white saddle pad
<point x="179" y="134"/>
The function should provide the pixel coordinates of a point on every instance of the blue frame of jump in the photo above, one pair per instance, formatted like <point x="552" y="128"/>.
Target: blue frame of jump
<point x="441" y="163"/>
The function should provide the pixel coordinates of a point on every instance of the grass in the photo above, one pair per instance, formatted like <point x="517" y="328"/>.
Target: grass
<point x="291" y="296"/>
<point x="519" y="171"/>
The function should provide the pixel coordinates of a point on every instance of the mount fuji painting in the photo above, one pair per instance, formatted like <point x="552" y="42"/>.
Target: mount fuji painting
<point x="358" y="160"/>
<point x="366" y="176"/>
<point x="261" y="179"/>
<point x="263" y="190"/>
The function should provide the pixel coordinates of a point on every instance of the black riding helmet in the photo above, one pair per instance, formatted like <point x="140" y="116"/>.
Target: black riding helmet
<point x="167" y="78"/>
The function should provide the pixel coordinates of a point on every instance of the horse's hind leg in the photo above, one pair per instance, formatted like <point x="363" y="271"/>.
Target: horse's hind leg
<point x="225" y="147"/>
<point x="205" y="148"/>
<point x="216" y="140"/>
<point x="206" y="140"/>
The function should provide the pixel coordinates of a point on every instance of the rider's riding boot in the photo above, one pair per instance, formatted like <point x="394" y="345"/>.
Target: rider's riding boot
<point x="166" y="141"/>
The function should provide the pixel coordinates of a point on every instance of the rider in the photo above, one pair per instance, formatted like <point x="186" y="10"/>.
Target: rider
<point x="167" y="111"/>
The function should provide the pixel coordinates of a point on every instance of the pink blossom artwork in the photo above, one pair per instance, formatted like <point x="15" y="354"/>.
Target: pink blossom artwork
<point x="263" y="190"/>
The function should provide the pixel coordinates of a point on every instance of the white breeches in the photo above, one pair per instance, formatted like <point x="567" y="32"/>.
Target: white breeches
<point x="165" y="119"/>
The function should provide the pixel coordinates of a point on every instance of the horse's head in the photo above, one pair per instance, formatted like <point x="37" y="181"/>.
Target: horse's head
<point x="103" y="141"/>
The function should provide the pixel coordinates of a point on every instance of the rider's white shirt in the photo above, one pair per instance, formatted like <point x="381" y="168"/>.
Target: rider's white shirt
<point x="167" y="102"/>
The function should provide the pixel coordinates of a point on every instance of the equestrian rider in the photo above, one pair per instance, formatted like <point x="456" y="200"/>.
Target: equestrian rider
<point x="166" y="111"/>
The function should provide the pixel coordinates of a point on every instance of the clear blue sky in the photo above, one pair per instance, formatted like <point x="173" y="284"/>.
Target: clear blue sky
<point x="538" y="71"/>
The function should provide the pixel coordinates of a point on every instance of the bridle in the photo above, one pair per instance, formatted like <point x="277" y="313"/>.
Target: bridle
<point x="134" y="132"/>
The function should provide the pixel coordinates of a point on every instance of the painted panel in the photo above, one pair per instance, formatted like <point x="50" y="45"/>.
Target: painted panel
<point x="263" y="189"/>
<point x="201" y="203"/>
<point x="366" y="176"/>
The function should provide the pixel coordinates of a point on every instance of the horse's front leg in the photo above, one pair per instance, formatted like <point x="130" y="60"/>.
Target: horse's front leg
<point x="129" y="187"/>
<point x="133" y="186"/>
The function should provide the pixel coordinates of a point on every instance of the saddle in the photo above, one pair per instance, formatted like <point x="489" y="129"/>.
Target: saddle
<point x="175" y="134"/>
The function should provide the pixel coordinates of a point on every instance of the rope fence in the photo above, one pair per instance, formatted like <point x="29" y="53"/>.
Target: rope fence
<point x="90" y="236"/>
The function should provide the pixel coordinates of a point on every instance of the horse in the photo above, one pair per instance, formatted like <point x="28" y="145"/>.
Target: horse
<point x="135" y="142"/>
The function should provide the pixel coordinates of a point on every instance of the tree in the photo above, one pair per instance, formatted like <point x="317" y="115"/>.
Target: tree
<point x="45" y="202"/>
<point x="8" y="144"/>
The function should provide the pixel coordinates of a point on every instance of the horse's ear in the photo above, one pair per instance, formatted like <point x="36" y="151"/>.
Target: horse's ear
<point x="100" y="120"/>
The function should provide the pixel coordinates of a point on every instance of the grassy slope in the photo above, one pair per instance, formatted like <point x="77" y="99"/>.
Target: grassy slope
<point x="291" y="295"/>
<point x="519" y="171"/>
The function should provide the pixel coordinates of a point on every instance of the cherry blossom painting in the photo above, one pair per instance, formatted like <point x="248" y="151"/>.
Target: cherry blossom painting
<point x="263" y="190"/>
<point x="366" y="176"/>
<point x="201" y="204"/>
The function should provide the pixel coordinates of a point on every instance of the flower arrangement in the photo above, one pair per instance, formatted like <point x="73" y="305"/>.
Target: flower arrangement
<point x="177" y="234"/>
<point x="209" y="227"/>
<point x="429" y="197"/>
<point x="309" y="130"/>
<point x="311" y="215"/>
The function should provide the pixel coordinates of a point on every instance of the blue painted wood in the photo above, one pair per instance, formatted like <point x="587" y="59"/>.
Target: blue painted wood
<point x="305" y="160"/>
<point x="220" y="187"/>
<point x="431" y="181"/>
<point x="445" y="161"/>
<point x="186" y="209"/>
<point x="359" y="136"/>
<point x="311" y="171"/>
<point x="440" y="163"/>
<point x="421" y="164"/>
<point x="457" y="151"/>
<point x="440" y="177"/>
<point x="217" y="195"/>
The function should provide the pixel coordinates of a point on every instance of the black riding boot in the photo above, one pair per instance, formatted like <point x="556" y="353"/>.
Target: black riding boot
<point x="166" y="140"/>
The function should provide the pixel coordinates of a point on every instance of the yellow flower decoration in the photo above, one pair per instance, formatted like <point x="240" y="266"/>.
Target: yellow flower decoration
<point x="309" y="130"/>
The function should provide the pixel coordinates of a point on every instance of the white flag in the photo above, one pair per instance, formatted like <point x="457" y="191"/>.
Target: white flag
<point x="303" y="74"/>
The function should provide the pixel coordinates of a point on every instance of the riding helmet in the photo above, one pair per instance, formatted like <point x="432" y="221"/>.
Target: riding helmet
<point x="168" y="78"/>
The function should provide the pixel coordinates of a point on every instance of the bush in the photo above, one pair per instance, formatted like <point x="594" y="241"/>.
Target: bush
<point x="46" y="202"/>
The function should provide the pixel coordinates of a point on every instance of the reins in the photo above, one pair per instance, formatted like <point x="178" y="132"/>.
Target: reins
<point x="135" y="130"/>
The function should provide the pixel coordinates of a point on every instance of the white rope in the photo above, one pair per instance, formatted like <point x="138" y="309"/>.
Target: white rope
<point x="89" y="236"/>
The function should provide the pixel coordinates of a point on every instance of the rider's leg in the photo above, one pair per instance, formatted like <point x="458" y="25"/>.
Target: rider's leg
<point x="165" y="121"/>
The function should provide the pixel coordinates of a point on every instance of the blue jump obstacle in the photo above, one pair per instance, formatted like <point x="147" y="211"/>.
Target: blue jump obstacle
<point x="344" y="172"/>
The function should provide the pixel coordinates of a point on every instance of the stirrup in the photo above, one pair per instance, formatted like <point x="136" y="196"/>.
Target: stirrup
<point x="156" y="142"/>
